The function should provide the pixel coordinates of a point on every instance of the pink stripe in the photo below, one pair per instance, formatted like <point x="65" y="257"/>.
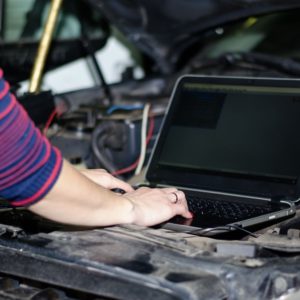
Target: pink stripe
<point x="18" y="176"/>
<point x="15" y="135"/>
<point x="12" y="151"/>
<point x="16" y="120"/>
<point x="5" y="90"/>
<point x="22" y="166"/>
<point x="11" y="143"/>
<point x="10" y="122"/>
<point x="8" y="109"/>
<point x="12" y="135"/>
<point x="16" y="150"/>
<point x="46" y="185"/>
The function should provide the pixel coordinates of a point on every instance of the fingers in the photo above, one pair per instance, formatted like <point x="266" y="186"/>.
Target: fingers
<point x="117" y="183"/>
<point x="179" y="202"/>
<point x="169" y="190"/>
<point x="184" y="212"/>
<point x="176" y="199"/>
<point x="106" y="180"/>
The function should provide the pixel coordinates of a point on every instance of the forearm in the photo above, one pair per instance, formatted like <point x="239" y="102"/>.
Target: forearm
<point x="29" y="166"/>
<point x="32" y="175"/>
<point x="74" y="199"/>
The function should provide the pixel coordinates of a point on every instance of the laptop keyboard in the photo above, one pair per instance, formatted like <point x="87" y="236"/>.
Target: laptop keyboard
<point x="225" y="210"/>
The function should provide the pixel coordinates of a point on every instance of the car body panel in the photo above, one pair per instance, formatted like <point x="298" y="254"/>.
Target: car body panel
<point x="164" y="30"/>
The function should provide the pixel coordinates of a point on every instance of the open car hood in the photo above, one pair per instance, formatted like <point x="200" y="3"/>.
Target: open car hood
<point x="165" y="30"/>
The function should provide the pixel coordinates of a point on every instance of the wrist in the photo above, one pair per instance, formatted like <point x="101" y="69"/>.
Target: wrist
<point x="130" y="211"/>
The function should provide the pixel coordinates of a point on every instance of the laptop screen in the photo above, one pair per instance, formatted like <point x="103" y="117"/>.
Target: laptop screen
<point x="239" y="135"/>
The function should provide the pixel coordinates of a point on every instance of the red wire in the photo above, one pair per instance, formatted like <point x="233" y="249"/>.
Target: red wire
<point x="134" y="165"/>
<point x="150" y="129"/>
<point x="118" y="172"/>
<point x="50" y="120"/>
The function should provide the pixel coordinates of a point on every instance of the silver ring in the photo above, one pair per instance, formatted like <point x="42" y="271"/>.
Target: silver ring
<point x="176" y="200"/>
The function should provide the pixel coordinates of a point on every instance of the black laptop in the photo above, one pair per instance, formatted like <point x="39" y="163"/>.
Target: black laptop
<point x="233" y="146"/>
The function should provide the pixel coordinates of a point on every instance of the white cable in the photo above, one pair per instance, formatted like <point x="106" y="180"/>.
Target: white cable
<point x="143" y="140"/>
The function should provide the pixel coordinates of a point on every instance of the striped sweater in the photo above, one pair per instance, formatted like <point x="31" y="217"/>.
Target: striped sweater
<point x="29" y="165"/>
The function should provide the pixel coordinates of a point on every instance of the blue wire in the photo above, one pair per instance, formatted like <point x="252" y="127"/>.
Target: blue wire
<point x="124" y="107"/>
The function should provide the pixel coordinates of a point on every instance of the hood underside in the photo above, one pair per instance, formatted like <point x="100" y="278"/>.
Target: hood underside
<point x="164" y="29"/>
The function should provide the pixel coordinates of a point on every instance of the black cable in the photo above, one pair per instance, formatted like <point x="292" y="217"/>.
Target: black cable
<point x="254" y="59"/>
<point x="222" y="229"/>
<point x="296" y="202"/>
<point x="98" y="141"/>
<point x="282" y="64"/>
<point x="238" y="227"/>
<point x="86" y="43"/>
<point x="206" y="231"/>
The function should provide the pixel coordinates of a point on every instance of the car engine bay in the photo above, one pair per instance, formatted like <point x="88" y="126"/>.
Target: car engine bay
<point x="101" y="127"/>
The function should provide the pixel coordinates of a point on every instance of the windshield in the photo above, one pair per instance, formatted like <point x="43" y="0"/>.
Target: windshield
<point x="22" y="24"/>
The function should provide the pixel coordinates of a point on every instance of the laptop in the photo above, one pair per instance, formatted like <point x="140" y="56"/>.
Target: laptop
<point x="232" y="145"/>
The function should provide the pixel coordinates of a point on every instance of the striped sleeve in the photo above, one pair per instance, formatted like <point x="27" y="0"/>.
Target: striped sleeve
<point x="29" y="165"/>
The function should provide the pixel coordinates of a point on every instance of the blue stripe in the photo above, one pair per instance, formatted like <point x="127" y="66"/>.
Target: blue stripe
<point x="9" y="119"/>
<point x="32" y="184"/>
<point x="2" y="84"/>
<point x="24" y="152"/>
<point x="35" y="180"/>
<point x="4" y="102"/>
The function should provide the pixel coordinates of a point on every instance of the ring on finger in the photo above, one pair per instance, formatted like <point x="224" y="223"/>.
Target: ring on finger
<point x="176" y="198"/>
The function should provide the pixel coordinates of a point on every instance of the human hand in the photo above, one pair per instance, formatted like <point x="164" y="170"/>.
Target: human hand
<point x="154" y="206"/>
<point x="106" y="180"/>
